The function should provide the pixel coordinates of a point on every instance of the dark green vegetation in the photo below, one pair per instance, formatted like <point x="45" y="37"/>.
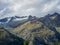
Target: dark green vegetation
<point x="6" y="38"/>
<point x="35" y="31"/>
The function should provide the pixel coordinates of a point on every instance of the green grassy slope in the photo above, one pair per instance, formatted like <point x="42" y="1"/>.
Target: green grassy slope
<point x="36" y="33"/>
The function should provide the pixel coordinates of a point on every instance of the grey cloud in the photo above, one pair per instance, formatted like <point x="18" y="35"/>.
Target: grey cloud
<point x="29" y="7"/>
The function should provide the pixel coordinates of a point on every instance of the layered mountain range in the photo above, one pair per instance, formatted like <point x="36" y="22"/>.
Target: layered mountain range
<point x="33" y="30"/>
<point x="12" y="22"/>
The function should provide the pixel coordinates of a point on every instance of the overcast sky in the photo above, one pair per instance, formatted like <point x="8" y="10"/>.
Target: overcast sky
<point x="28" y="7"/>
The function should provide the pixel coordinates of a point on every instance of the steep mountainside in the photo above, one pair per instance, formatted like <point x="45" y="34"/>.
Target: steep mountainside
<point x="6" y="38"/>
<point x="51" y="20"/>
<point x="12" y="22"/>
<point x="32" y="31"/>
<point x="36" y="33"/>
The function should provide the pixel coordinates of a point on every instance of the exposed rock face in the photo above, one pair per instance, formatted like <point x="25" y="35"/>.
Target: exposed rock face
<point x="51" y="20"/>
<point x="12" y="22"/>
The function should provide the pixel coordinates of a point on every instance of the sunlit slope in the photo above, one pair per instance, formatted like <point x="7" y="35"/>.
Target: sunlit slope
<point x="58" y="29"/>
<point x="36" y="33"/>
<point x="27" y="28"/>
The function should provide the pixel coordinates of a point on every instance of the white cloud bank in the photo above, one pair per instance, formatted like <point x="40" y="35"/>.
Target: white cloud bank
<point x="28" y="7"/>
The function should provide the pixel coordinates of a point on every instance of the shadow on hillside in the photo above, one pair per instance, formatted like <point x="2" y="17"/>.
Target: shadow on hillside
<point x="56" y="33"/>
<point x="16" y="40"/>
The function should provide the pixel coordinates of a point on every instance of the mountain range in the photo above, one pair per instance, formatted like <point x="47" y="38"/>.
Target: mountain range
<point x="31" y="30"/>
<point x="12" y="22"/>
